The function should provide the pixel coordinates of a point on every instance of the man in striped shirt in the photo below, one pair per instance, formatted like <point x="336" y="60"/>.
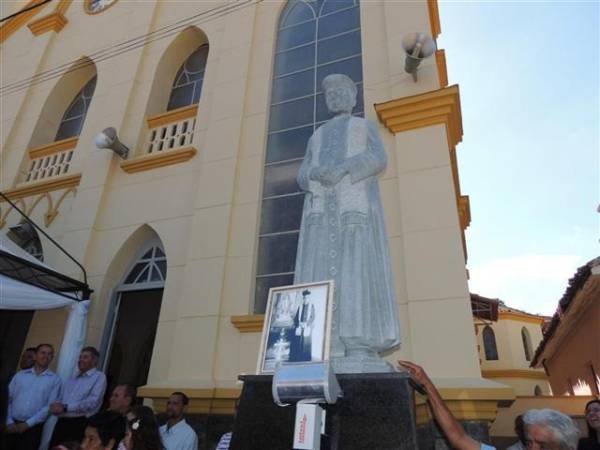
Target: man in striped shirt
<point x="81" y="398"/>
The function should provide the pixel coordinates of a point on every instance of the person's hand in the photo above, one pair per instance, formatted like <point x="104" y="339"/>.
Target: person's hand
<point x="17" y="428"/>
<point x="56" y="408"/>
<point x="417" y="373"/>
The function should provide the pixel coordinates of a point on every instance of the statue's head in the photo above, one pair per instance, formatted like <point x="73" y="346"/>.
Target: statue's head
<point x="340" y="93"/>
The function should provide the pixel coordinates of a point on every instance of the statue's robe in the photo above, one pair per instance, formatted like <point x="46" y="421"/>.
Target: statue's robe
<point x="343" y="237"/>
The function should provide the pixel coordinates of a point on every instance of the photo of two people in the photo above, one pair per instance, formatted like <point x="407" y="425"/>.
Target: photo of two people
<point x="295" y="329"/>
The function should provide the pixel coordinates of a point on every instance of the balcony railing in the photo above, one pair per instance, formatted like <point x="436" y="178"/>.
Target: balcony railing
<point x="171" y="130"/>
<point x="49" y="161"/>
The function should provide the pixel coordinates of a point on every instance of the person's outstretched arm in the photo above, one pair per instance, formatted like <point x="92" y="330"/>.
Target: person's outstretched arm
<point x="453" y="430"/>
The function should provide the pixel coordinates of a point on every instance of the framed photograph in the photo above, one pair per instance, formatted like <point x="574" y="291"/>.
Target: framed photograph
<point x="297" y="325"/>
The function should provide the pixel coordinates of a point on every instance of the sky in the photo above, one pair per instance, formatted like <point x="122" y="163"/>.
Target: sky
<point x="529" y="82"/>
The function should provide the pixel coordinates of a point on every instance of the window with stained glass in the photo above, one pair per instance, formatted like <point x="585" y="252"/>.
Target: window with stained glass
<point x="72" y="122"/>
<point x="315" y="39"/>
<point x="188" y="81"/>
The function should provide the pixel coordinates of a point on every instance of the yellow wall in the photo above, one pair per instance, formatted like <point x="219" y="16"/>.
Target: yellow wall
<point x="512" y="368"/>
<point x="205" y="211"/>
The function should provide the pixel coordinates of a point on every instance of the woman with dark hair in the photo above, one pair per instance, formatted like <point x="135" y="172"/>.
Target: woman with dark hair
<point x="103" y="431"/>
<point x="142" y="430"/>
<point x="592" y="418"/>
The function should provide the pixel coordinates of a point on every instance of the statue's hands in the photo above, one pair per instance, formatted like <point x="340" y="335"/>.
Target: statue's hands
<point x="327" y="176"/>
<point x="332" y="176"/>
<point x="337" y="174"/>
<point x="316" y="174"/>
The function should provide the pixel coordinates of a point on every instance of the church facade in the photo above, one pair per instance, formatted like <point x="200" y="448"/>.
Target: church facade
<point x="183" y="238"/>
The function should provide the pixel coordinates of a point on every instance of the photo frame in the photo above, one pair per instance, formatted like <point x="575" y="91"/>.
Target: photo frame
<point x="297" y="325"/>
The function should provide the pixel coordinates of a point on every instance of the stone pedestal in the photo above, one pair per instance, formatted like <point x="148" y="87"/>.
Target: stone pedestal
<point x="377" y="412"/>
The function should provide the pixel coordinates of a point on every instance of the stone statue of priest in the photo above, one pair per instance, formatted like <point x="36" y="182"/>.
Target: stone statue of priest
<point x="343" y="237"/>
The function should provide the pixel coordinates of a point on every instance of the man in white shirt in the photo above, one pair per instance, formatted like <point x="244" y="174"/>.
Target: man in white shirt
<point x="176" y="434"/>
<point x="30" y="392"/>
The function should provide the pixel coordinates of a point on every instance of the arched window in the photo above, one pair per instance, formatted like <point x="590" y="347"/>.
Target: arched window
<point x="73" y="119"/>
<point x="526" y="343"/>
<point x="537" y="391"/>
<point x="489" y="344"/>
<point x="315" y="39"/>
<point x="188" y="81"/>
<point x="150" y="268"/>
<point x="26" y="237"/>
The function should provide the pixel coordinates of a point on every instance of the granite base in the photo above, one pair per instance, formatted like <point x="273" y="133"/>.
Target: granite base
<point x="377" y="412"/>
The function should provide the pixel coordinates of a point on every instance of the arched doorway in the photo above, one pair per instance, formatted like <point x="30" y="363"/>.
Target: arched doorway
<point x="132" y="323"/>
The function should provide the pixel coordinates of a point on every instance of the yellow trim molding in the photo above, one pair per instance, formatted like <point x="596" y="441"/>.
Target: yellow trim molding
<point x="54" y="147"/>
<point x="440" y="61"/>
<point x="417" y="111"/>
<point x="52" y="184"/>
<point x="467" y="403"/>
<point x="9" y="27"/>
<point x="52" y="22"/>
<point x="434" y="18"/>
<point x="514" y="373"/>
<point x="174" y="115"/>
<point x="202" y="401"/>
<point x="155" y="160"/>
<point x="480" y="410"/>
<point x="252" y="323"/>
<point x="464" y="211"/>
<point x="520" y="317"/>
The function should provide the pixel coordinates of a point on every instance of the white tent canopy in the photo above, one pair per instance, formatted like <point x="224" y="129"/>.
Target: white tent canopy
<point x="17" y="295"/>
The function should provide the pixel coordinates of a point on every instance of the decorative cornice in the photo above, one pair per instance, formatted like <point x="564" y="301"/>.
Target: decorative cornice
<point x="431" y="108"/>
<point x="520" y="317"/>
<point x="464" y="211"/>
<point x="12" y="25"/>
<point x="52" y="184"/>
<point x="174" y="115"/>
<point x="54" y="147"/>
<point x="55" y="21"/>
<point x="440" y="61"/>
<point x="153" y="161"/>
<point x="249" y="324"/>
<point x="202" y="401"/>
<point x="515" y="373"/>
<point x="63" y="5"/>
<point x="434" y="18"/>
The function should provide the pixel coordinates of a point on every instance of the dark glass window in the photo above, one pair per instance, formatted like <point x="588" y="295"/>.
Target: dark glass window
<point x="188" y="81"/>
<point x="489" y="344"/>
<point x="73" y="119"/>
<point x="315" y="38"/>
<point x="26" y="237"/>
<point x="526" y="343"/>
